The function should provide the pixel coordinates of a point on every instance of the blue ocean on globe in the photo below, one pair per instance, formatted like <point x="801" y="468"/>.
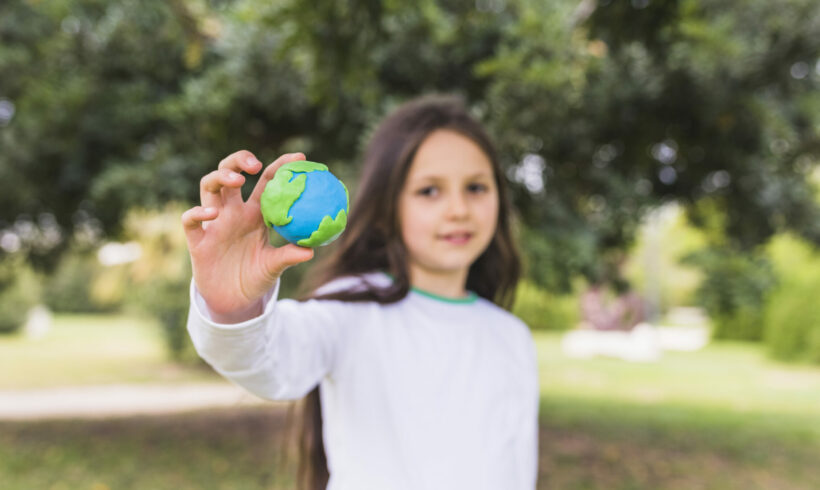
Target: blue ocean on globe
<point x="322" y="196"/>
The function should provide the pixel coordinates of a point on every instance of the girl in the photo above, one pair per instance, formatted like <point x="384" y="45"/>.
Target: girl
<point x="416" y="377"/>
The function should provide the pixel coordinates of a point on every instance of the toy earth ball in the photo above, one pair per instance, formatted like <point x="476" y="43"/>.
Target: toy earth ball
<point x="306" y="204"/>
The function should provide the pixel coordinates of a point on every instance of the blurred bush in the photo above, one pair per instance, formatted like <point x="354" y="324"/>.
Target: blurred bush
<point x="160" y="278"/>
<point x="110" y="286"/>
<point x="792" y="311"/>
<point x="19" y="291"/>
<point x="543" y="310"/>
<point x="733" y="290"/>
<point x="73" y="286"/>
<point x="654" y="266"/>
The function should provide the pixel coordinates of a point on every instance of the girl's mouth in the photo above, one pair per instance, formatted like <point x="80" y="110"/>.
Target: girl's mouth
<point x="457" y="238"/>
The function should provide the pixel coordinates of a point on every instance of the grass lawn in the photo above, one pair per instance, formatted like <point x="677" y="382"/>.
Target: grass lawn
<point x="230" y="449"/>
<point x="91" y="349"/>
<point x="724" y="417"/>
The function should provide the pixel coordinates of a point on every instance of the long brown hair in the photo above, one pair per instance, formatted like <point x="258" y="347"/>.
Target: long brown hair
<point x="372" y="240"/>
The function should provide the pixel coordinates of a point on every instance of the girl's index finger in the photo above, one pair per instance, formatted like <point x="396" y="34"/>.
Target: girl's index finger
<point x="241" y="161"/>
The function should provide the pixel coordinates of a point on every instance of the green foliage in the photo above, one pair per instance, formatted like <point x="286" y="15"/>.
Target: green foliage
<point x="792" y="313"/>
<point x="552" y="260"/>
<point x="19" y="291"/>
<point x="167" y="300"/>
<point x="86" y="80"/>
<point x="655" y="261"/>
<point x="160" y="279"/>
<point x="733" y="290"/>
<point x="744" y="323"/>
<point x="792" y="325"/>
<point x="601" y="110"/>
<point x="627" y="106"/>
<point x="542" y="310"/>
<point x="70" y="288"/>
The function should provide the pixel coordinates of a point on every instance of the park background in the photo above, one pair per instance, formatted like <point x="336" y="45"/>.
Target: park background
<point x="672" y="146"/>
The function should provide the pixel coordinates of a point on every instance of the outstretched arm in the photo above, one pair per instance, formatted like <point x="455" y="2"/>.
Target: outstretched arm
<point x="275" y="349"/>
<point x="233" y="263"/>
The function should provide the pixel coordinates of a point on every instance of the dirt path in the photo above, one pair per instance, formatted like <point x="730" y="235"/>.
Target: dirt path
<point x="119" y="400"/>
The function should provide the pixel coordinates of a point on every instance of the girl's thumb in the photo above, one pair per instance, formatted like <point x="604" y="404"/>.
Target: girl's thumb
<point x="279" y="259"/>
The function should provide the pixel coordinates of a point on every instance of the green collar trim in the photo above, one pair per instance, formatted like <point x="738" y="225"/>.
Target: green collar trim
<point x="471" y="296"/>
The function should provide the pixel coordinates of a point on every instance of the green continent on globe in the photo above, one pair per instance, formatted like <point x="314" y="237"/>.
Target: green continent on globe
<point x="329" y="229"/>
<point x="280" y="193"/>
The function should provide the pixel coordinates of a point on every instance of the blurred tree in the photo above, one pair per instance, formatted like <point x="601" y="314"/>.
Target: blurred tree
<point x="601" y="110"/>
<point x="623" y="105"/>
<point x="83" y="82"/>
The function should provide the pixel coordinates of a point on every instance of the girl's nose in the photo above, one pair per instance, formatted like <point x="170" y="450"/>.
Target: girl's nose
<point x="458" y="206"/>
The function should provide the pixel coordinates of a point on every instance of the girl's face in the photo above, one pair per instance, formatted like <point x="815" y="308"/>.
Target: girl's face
<point x="448" y="207"/>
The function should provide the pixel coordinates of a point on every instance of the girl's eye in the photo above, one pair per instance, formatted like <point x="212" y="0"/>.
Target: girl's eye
<point x="428" y="191"/>
<point x="477" y="188"/>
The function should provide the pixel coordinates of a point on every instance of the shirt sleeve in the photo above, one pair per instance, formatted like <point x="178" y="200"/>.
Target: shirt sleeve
<point x="280" y="355"/>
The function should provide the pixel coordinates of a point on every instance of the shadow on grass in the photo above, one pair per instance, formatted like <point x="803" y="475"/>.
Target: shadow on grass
<point x="228" y="448"/>
<point x="598" y="443"/>
<point x="584" y="444"/>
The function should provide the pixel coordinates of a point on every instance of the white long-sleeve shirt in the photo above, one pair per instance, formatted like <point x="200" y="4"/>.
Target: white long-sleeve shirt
<point x="421" y="394"/>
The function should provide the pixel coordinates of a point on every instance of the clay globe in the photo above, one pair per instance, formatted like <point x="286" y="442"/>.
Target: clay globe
<point x="306" y="204"/>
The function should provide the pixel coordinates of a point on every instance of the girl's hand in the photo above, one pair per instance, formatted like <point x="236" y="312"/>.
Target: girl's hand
<point x="233" y="263"/>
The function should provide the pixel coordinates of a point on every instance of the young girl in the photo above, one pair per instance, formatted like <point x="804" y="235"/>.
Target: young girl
<point x="424" y="381"/>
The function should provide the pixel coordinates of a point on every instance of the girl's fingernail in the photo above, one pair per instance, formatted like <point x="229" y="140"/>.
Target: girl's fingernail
<point x="210" y="210"/>
<point x="253" y="161"/>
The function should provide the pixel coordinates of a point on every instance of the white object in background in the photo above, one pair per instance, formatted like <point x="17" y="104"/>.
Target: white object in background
<point x="690" y="331"/>
<point x="114" y="253"/>
<point x="38" y="323"/>
<point x="687" y="316"/>
<point x="683" y="339"/>
<point x="641" y="344"/>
